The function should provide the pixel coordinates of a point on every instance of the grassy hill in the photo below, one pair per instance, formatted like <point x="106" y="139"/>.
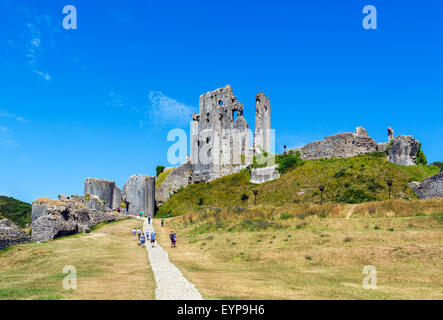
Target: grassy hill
<point x="109" y="265"/>
<point x="260" y="254"/>
<point x="17" y="211"/>
<point x="346" y="180"/>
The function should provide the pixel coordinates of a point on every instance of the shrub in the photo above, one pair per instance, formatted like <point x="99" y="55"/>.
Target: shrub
<point x="244" y="197"/>
<point x="438" y="164"/>
<point x="87" y="230"/>
<point x="87" y="197"/>
<point x="347" y="239"/>
<point x="285" y="215"/>
<point x="288" y="160"/>
<point x="391" y="229"/>
<point x="200" y="201"/>
<point x="376" y="227"/>
<point x="308" y="258"/>
<point x="159" y="170"/>
<point x="355" y="196"/>
<point x="341" y="173"/>
<point x="421" y="158"/>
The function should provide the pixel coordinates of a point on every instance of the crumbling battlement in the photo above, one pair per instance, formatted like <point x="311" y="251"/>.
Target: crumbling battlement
<point x="106" y="190"/>
<point x="220" y="136"/>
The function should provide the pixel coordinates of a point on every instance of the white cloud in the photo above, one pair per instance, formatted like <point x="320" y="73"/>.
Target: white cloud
<point x="163" y="109"/>
<point x="115" y="100"/>
<point x="34" y="33"/>
<point x="6" y="139"/>
<point x="160" y="109"/>
<point x="6" y="114"/>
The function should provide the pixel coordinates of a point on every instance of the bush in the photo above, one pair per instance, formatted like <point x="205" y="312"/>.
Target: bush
<point x="159" y="170"/>
<point x="438" y="164"/>
<point x="285" y="215"/>
<point x="355" y="196"/>
<point x="347" y="239"/>
<point x="200" y="201"/>
<point x="421" y="158"/>
<point x="288" y="160"/>
<point x="341" y="173"/>
<point x="244" y="197"/>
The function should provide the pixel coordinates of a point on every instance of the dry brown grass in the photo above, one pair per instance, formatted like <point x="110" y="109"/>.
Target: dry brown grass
<point x="109" y="266"/>
<point x="52" y="202"/>
<point x="309" y="258"/>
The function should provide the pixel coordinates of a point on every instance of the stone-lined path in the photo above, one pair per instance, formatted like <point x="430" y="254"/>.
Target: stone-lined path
<point x="171" y="284"/>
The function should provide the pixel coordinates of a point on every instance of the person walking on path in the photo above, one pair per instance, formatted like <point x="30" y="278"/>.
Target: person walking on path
<point x="134" y="233"/>
<point x="142" y="240"/>
<point x="163" y="222"/>
<point x="153" y="238"/>
<point x="174" y="241"/>
<point x="149" y="219"/>
<point x="139" y="233"/>
<point x="171" y="237"/>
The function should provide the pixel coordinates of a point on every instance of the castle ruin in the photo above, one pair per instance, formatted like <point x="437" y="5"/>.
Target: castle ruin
<point x="220" y="140"/>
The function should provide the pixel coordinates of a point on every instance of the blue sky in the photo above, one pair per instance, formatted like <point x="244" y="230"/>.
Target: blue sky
<point x="99" y="101"/>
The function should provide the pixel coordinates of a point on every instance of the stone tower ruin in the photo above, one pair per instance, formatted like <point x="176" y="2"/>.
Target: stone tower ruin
<point x="262" y="133"/>
<point x="220" y="136"/>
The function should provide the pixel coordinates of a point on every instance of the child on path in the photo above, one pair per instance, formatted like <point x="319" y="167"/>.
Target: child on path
<point x="142" y="240"/>
<point x="134" y="232"/>
<point x="171" y="237"/>
<point x="174" y="240"/>
<point x="153" y="238"/>
<point x="139" y="232"/>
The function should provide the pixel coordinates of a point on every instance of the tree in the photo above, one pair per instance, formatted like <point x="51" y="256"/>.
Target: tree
<point x="421" y="158"/>
<point x="438" y="164"/>
<point x="159" y="170"/>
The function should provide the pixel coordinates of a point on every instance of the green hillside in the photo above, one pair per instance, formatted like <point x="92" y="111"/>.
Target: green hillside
<point x="17" y="211"/>
<point x="346" y="180"/>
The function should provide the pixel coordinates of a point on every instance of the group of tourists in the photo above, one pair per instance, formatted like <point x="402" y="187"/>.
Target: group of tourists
<point x="141" y="238"/>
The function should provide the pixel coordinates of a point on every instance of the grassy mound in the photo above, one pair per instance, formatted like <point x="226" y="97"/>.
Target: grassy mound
<point x="161" y="177"/>
<point x="256" y="253"/>
<point x="346" y="180"/>
<point x="17" y="211"/>
<point x="109" y="265"/>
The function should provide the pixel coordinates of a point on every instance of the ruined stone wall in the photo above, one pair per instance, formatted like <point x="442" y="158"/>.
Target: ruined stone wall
<point x="341" y="145"/>
<point x="261" y="175"/>
<point x="67" y="217"/>
<point x="104" y="189"/>
<point x="403" y="150"/>
<point x="219" y="143"/>
<point x="139" y="192"/>
<point x="431" y="187"/>
<point x="11" y="234"/>
<point x="262" y="130"/>
<point x="177" y="178"/>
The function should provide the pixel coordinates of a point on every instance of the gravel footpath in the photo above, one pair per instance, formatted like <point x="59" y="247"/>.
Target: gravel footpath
<point x="171" y="284"/>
